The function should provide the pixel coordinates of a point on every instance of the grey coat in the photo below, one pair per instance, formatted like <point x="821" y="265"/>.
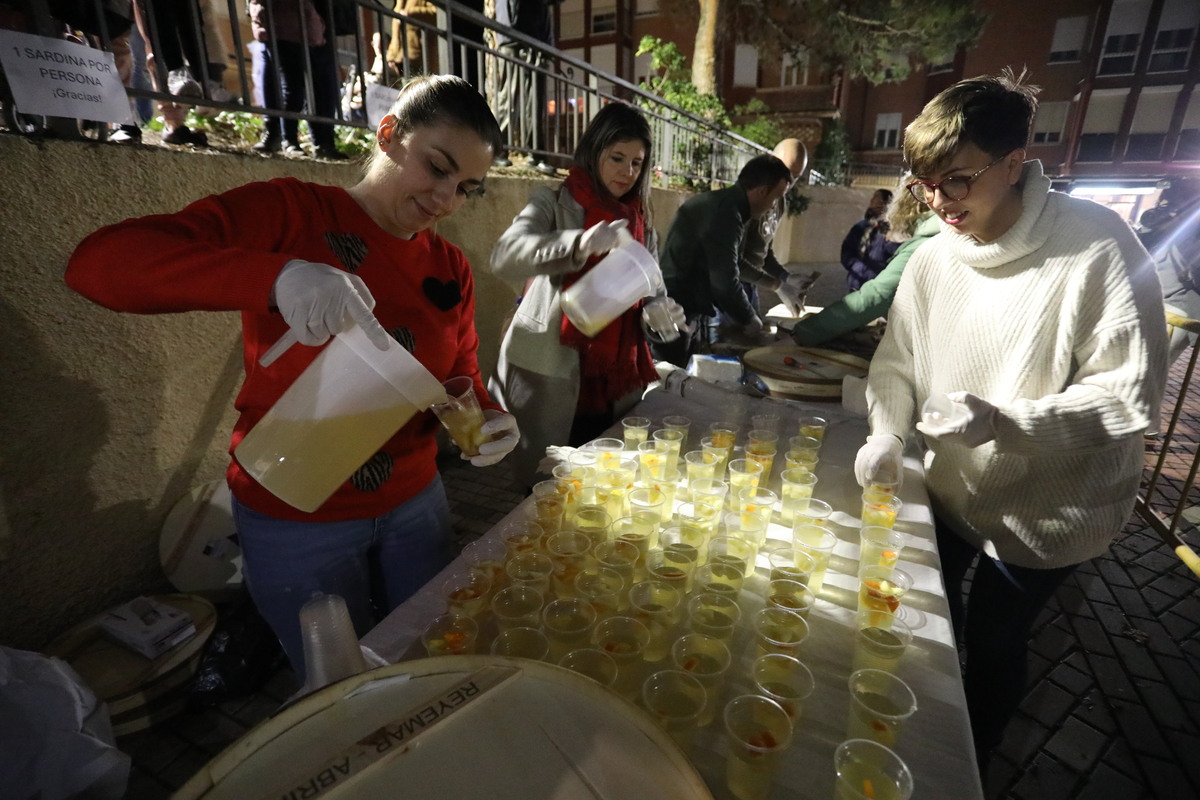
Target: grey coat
<point x="537" y="377"/>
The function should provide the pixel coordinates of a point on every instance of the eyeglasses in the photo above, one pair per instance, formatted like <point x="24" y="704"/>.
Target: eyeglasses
<point x="956" y="187"/>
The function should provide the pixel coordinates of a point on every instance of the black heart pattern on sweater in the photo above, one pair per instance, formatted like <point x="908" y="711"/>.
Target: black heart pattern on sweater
<point x="349" y="248"/>
<point x="445" y="295"/>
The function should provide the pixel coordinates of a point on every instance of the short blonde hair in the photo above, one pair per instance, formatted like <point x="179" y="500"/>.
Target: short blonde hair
<point x="903" y="213"/>
<point x="992" y="112"/>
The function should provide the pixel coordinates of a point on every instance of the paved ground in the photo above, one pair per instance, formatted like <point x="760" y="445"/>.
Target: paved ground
<point x="1112" y="707"/>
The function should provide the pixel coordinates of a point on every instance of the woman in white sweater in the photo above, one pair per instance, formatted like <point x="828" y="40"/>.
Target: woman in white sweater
<point x="1041" y="315"/>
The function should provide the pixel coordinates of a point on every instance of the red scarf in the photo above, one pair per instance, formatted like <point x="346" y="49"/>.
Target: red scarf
<point x="617" y="361"/>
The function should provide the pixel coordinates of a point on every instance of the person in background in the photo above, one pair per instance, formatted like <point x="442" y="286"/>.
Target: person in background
<point x="564" y="387"/>
<point x="866" y="248"/>
<point x="293" y="36"/>
<point x="169" y="33"/>
<point x="406" y="52"/>
<point x="1171" y="232"/>
<point x="703" y="254"/>
<point x="1040" y="317"/>
<point x="520" y="100"/>
<point x="759" y="266"/>
<point x="326" y="257"/>
<point x="910" y="224"/>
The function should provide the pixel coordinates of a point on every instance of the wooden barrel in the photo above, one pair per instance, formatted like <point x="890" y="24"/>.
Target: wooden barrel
<point x="140" y="692"/>
<point x="803" y="373"/>
<point x="450" y="728"/>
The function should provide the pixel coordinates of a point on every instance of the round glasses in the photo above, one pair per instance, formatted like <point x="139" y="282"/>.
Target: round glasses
<point x="956" y="187"/>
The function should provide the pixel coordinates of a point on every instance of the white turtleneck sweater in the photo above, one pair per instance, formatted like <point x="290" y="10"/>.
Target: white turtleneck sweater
<point x="1059" y="324"/>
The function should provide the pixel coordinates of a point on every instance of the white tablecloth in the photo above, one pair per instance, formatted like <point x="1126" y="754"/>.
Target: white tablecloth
<point x="935" y="742"/>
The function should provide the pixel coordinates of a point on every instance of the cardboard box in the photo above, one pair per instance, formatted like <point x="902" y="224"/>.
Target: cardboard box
<point x="147" y="626"/>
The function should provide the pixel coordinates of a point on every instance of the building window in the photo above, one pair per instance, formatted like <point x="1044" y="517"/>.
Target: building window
<point x="1156" y="106"/>
<point x="1101" y="123"/>
<point x="605" y="22"/>
<point x="1068" y="39"/>
<point x="745" y="65"/>
<point x="1050" y="121"/>
<point x="1123" y="37"/>
<point x="942" y="68"/>
<point x="1189" y="132"/>
<point x="1175" y="37"/>
<point x="794" y="69"/>
<point x="647" y="8"/>
<point x="887" y="131"/>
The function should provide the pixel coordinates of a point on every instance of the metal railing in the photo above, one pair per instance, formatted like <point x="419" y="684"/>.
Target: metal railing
<point x="1170" y="480"/>
<point x="545" y="96"/>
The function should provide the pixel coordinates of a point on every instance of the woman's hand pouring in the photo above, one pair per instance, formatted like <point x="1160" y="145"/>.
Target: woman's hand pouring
<point x="502" y="428"/>
<point x="318" y="301"/>
<point x="601" y="237"/>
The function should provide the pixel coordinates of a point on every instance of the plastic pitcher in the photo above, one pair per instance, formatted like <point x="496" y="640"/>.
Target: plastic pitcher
<point x="352" y="398"/>
<point x="626" y="275"/>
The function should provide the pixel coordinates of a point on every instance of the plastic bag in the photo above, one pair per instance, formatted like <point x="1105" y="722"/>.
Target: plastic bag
<point x="241" y="655"/>
<point x="56" y="739"/>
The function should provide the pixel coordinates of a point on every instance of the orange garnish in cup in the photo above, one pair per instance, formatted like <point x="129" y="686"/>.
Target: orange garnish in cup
<point x="890" y="555"/>
<point x="868" y="788"/>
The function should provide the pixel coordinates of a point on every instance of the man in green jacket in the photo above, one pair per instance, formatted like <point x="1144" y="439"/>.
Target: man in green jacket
<point x="870" y="301"/>
<point x="704" y="248"/>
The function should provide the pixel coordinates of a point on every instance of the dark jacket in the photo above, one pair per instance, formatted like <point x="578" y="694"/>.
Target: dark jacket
<point x="703" y="250"/>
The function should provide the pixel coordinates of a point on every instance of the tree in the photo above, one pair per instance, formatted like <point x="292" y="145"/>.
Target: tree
<point x="880" y="40"/>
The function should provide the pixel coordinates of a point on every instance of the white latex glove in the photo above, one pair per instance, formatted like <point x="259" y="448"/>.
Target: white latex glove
<point x="977" y="426"/>
<point x="664" y="317"/>
<point x="555" y="455"/>
<point x="792" y="297"/>
<point x="880" y="459"/>
<point x="502" y="428"/>
<point x="802" y="283"/>
<point x="317" y="301"/>
<point x="601" y="237"/>
<point x="754" y="327"/>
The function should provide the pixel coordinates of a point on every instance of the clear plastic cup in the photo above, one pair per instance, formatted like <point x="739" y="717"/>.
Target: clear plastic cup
<point x="528" y="643"/>
<point x="814" y="427"/>
<point x="880" y="510"/>
<point x="625" y="639"/>
<point x="736" y="551"/>
<point x="867" y="770"/>
<point x="649" y="500"/>
<point x="621" y="558"/>
<point x="790" y="595"/>
<point x="637" y="430"/>
<point x="713" y="614"/>
<point x="778" y="630"/>
<point x="675" y="700"/>
<point x="879" y="547"/>
<point x="603" y="588"/>
<point x="791" y="564"/>
<point x="521" y="536"/>
<point x="881" y="646"/>
<point x="450" y="635"/>
<point x="593" y="663"/>
<point x="784" y="679"/>
<point x="759" y="731"/>
<point x="765" y="422"/>
<point x="570" y="552"/>
<point x="678" y="422"/>
<point x="331" y="649"/>
<point x="467" y="593"/>
<point x="813" y="512"/>
<point x="796" y="487"/>
<point x="567" y="623"/>
<point x="721" y="578"/>
<point x="461" y="414"/>
<point x="939" y="411"/>
<point x="880" y="704"/>
<point x="880" y="592"/>
<point x="517" y="607"/>
<point x="531" y="570"/>
<point x="818" y="542"/>
<point x="707" y="659"/>
<point x="657" y="606"/>
<point x="672" y="440"/>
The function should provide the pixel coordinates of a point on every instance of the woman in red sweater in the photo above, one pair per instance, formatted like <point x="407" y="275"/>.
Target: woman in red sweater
<point x="306" y="258"/>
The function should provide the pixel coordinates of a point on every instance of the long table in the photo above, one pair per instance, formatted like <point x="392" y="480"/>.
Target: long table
<point x="935" y="742"/>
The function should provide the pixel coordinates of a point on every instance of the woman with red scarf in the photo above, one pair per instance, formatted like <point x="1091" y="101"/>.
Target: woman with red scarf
<point x="563" y="387"/>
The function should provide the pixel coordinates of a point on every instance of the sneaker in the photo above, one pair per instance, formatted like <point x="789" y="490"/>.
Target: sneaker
<point x="185" y="135"/>
<point x="502" y="161"/>
<point x="293" y="149"/>
<point x="181" y="83"/>
<point x="545" y="168"/>
<point x="271" y="142"/>
<point x="126" y="134"/>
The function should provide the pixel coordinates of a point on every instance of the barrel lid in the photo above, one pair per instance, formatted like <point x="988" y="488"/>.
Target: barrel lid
<point x="807" y="373"/>
<point x="197" y="547"/>
<point x="454" y="727"/>
<point x="119" y="675"/>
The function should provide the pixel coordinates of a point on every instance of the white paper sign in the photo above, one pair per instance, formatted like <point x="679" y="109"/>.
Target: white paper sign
<point x="57" y="78"/>
<point x="379" y="102"/>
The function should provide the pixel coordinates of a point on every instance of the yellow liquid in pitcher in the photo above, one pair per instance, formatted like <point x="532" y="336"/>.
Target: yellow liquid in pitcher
<point x="304" y="461"/>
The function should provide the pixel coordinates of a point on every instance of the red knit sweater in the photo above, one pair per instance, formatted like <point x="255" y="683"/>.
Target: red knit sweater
<point x="223" y="253"/>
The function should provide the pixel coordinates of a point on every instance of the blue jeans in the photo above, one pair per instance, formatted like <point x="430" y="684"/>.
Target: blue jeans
<point x="373" y="564"/>
<point x="994" y="625"/>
